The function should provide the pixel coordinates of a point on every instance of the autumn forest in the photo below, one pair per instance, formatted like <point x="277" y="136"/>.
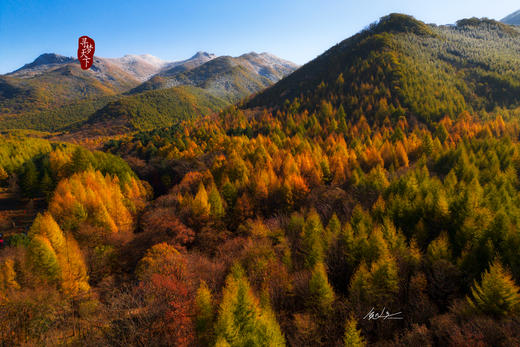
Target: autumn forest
<point x="371" y="197"/>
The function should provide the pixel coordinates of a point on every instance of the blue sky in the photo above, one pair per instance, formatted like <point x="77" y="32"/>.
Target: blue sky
<point x="297" y="30"/>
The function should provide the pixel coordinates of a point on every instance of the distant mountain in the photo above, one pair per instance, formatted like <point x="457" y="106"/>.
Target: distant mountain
<point x="53" y="91"/>
<point x="403" y="67"/>
<point x="198" y="59"/>
<point x="145" y="66"/>
<point x="225" y="77"/>
<point x="513" y="18"/>
<point x="141" y="67"/>
<point x="52" y="81"/>
<point x="197" y="86"/>
<point x="41" y="63"/>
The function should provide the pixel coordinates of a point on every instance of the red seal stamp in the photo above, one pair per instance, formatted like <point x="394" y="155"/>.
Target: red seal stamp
<point x="86" y="48"/>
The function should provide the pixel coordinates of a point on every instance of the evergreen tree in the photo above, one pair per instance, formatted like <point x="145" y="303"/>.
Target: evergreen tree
<point x="321" y="292"/>
<point x="29" y="179"/>
<point x="352" y="337"/>
<point x="241" y="320"/>
<point x="80" y="161"/>
<point x="215" y="201"/>
<point x="333" y="228"/>
<point x="205" y="314"/>
<point x="46" y="184"/>
<point x="497" y="294"/>
<point x="313" y="240"/>
<point x="44" y="259"/>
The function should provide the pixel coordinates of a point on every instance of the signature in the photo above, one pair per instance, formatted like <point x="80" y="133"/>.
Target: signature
<point x="384" y="314"/>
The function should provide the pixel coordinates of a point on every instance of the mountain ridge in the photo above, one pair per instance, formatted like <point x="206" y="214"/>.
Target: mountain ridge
<point x="400" y="66"/>
<point x="513" y="18"/>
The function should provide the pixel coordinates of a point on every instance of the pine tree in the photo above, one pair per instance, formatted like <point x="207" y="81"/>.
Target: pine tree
<point x="200" y="206"/>
<point x="333" y="228"/>
<point x="79" y="162"/>
<point x="229" y="193"/>
<point x="46" y="184"/>
<point x="215" y="201"/>
<point x="57" y="256"/>
<point x="377" y="285"/>
<point x="384" y="279"/>
<point x="44" y="259"/>
<point x="340" y="114"/>
<point x="321" y="293"/>
<point x="497" y="294"/>
<point x="205" y="314"/>
<point x="352" y="337"/>
<point x="241" y="320"/>
<point x="29" y="181"/>
<point x="313" y="240"/>
<point x="427" y="144"/>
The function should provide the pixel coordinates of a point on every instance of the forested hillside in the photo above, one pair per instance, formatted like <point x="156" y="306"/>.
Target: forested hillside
<point x="381" y="177"/>
<point x="156" y="109"/>
<point x="403" y="67"/>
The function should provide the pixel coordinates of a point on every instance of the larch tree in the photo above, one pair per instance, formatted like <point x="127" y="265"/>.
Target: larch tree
<point x="241" y="320"/>
<point x="313" y="240"/>
<point x="353" y="337"/>
<point x="217" y="210"/>
<point x="321" y="293"/>
<point x="496" y="294"/>
<point x="205" y="314"/>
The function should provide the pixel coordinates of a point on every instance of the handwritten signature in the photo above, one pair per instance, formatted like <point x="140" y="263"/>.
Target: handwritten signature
<point x="384" y="314"/>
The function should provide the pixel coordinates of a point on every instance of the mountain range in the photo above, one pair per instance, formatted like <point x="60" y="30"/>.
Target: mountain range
<point x="397" y="66"/>
<point x="53" y="91"/>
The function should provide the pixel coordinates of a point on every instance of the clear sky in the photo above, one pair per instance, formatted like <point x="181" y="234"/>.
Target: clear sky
<point x="297" y="30"/>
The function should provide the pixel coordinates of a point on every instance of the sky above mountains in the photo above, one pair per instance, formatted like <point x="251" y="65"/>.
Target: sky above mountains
<point x="296" y="30"/>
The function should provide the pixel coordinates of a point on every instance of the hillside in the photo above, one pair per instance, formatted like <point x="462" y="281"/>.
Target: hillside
<point x="53" y="91"/>
<point x="153" y="109"/>
<point x="512" y="19"/>
<point x="390" y="178"/>
<point x="54" y="80"/>
<point x="401" y="66"/>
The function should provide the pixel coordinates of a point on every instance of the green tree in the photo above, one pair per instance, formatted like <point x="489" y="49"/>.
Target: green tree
<point x="29" y="179"/>
<point x="43" y="259"/>
<point x="46" y="184"/>
<point x="242" y="321"/>
<point x="205" y="314"/>
<point x="321" y="293"/>
<point x="497" y="294"/>
<point x="333" y="228"/>
<point x="377" y="285"/>
<point x="215" y="201"/>
<point x="80" y="161"/>
<point x="313" y="240"/>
